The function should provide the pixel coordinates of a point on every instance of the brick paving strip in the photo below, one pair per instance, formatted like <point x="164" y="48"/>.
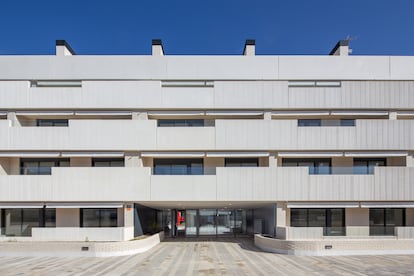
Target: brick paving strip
<point x="208" y="256"/>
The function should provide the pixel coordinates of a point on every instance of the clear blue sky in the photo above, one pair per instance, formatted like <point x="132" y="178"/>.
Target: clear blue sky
<point x="381" y="27"/>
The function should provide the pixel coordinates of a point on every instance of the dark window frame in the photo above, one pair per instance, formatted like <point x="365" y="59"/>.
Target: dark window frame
<point x="367" y="160"/>
<point x="385" y="224"/>
<point x="81" y="215"/>
<point x="181" y="122"/>
<point x="110" y="160"/>
<point x="56" y="162"/>
<point x="179" y="161"/>
<point x="313" y="160"/>
<point x="241" y="161"/>
<point x="42" y="218"/>
<point x="328" y="219"/>
<point x="53" y="122"/>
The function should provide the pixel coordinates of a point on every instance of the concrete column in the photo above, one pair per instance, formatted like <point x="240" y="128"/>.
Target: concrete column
<point x="267" y="115"/>
<point x="357" y="221"/>
<point x="128" y="213"/>
<point x="392" y="115"/>
<point x="273" y="160"/>
<point x="67" y="217"/>
<point x="282" y="220"/>
<point x="409" y="217"/>
<point x="410" y="159"/>
<point x="81" y="162"/>
<point x="4" y="165"/>
<point x="139" y="115"/>
<point x="14" y="121"/>
<point x="342" y="165"/>
<point x="211" y="163"/>
<point x="133" y="159"/>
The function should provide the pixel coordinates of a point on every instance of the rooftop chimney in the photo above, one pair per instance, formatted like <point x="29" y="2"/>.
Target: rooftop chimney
<point x="341" y="48"/>
<point x="249" y="47"/>
<point x="63" y="49"/>
<point x="157" y="49"/>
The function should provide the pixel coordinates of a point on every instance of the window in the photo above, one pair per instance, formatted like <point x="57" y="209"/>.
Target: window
<point x="99" y="217"/>
<point x="19" y="222"/>
<point x="108" y="162"/>
<point x="41" y="166"/>
<point x="180" y="122"/>
<point x="309" y="122"/>
<point x="382" y="221"/>
<point x="324" y="123"/>
<point x="366" y="165"/>
<point x="332" y="220"/>
<point x="56" y="83"/>
<point x="316" y="166"/>
<point x="314" y="84"/>
<point x="178" y="167"/>
<point x="186" y="83"/>
<point x="241" y="162"/>
<point x="52" y="122"/>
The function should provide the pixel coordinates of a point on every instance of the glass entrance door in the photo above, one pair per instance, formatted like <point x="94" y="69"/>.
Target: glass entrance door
<point x="207" y="222"/>
<point x="191" y="223"/>
<point x="225" y="222"/>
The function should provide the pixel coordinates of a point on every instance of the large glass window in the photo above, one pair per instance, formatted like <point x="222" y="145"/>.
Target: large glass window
<point x="52" y="122"/>
<point x="41" y="166"/>
<point x="178" y="166"/>
<point x="382" y="221"/>
<point x="331" y="220"/>
<point x="180" y="122"/>
<point x="99" y="217"/>
<point x="366" y="165"/>
<point x="108" y="162"/>
<point x="242" y="162"/>
<point x="316" y="166"/>
<point x="309" y="122"/>
<point x="19" y="222"/>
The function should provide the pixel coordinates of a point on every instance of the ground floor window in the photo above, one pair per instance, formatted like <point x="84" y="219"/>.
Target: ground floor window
<point x="99" y="217"/>
<point x="331" y="220"/>
<point x="382" y="221"/>
<point x="20" y="221"/>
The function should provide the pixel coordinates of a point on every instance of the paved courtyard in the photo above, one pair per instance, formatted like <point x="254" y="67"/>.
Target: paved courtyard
<point x="209" y="257"/>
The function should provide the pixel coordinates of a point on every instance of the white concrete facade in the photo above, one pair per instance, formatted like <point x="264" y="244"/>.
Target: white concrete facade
<point x="112" y="108"/>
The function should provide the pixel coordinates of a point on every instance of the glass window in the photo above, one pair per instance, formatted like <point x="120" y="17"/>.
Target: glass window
<point x="180" y="122"/>
<point x="52" y="122"/>
<point x="309" y="122"/>
<point x="366" y="165"/>
<point x="19" y="222"/>
<point x="382" y="221"/>
<point x="241" y="162"/>
<point x="41" y="166"/>
<point x="178" y="166"/>
<point x="331" y="220"/>
<point x="50" y="218"/>
<point x="99" y="217"/>
<point x="299" y="217"/>
<point x="316" y="166"/>
<point x="347" y="122"/>
<point x="108" y="162"/>
<point x="317" y="218"/>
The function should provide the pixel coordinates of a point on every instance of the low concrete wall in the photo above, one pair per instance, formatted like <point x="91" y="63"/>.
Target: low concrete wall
<point x="377" y="246"/>
<point x="404" y="232"/>
<point x="79" y="249"/>
<point x="83" y="234"/>
<point x="304" y="233"/>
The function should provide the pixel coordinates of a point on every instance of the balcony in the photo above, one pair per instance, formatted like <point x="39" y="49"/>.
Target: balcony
<point x="228" y="184"/>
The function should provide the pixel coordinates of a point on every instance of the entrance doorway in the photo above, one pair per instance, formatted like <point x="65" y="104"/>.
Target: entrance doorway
<point x="210" y="222"/>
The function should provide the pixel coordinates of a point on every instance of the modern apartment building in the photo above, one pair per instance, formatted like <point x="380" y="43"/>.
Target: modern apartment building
<point x="107" y="148"/>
